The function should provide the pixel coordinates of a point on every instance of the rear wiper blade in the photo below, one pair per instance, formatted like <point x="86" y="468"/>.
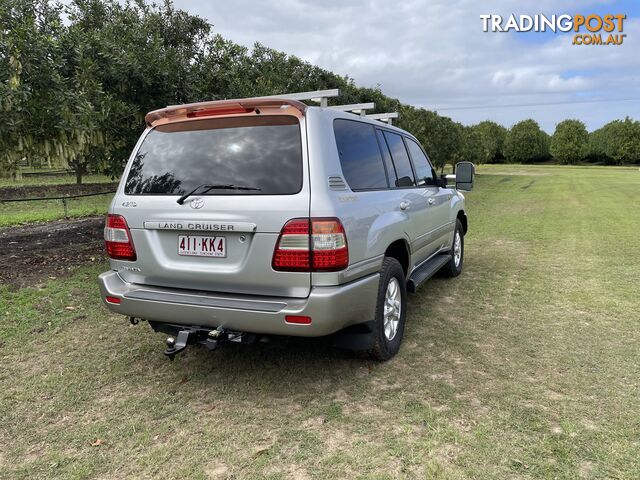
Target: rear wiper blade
<point x="208" y="187"/>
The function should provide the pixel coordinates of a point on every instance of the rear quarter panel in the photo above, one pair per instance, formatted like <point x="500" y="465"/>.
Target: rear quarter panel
<point x="372" y="219"/>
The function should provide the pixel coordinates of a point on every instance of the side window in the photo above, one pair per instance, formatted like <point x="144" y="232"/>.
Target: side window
<point x="391" y="170"/>
<point x="400" y="160"/>
<point x="360" y="155"/>
<point x="424" y="173"/>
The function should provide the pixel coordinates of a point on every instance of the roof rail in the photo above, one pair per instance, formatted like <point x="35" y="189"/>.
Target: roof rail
<point x="319" y="96"/>
<point x="384" y="117"/>
<point x="357" y="108"/>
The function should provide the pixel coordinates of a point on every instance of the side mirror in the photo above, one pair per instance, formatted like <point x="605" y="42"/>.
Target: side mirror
<point x="464" y="176"/>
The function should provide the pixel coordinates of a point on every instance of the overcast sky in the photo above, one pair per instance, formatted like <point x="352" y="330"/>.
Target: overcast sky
<point x="434" y="54"/>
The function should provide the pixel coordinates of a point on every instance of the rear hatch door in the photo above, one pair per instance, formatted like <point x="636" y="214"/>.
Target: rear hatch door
<point x="219" y="239"/>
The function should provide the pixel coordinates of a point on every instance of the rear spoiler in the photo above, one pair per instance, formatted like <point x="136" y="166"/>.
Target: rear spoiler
<point x="220" y="107"/>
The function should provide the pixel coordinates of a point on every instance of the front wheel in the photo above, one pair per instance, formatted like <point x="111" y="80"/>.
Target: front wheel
<point x="454" y="267"/>
<point x="391" y="311"/>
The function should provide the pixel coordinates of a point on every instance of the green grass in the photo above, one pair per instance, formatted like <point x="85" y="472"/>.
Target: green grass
<point x="525" y="366"/>
<point x="19" y="213"/>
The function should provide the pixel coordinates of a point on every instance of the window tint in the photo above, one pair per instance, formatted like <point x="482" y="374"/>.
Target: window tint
<point x="260" y="152"/>
<point x="359" y="155"/>
<point x="391" y="170"/>
<point x="424" y="174"/>
<point x="400" y="160"/>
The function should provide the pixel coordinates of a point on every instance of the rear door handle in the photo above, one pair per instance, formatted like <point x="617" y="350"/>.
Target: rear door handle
<point x="404" y="205"/>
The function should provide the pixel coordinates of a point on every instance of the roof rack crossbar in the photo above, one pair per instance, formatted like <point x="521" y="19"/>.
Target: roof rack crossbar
<point x="384" y="117"/>
<point x="357" y="108"/>
<point x="319" y="96"/>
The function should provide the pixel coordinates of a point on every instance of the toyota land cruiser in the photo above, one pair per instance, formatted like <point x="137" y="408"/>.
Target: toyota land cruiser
<point x="237" y="219"/>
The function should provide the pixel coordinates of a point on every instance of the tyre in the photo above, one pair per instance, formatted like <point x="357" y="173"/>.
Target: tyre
<point x="454" y="267"/>
<point x="391" y="311"/>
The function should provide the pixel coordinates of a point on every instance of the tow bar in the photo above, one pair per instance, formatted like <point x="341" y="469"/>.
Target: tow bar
<point x="195" y="335"/>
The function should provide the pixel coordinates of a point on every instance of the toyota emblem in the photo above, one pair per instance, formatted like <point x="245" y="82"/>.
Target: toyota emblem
<point x="197" y="203"/>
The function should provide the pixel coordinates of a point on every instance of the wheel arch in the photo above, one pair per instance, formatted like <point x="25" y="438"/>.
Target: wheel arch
<point x="463" y="220"/>
<point x="399" y="249"/>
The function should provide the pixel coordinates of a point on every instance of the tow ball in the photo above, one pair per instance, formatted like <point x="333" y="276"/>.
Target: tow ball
<point x="176" y="345"/>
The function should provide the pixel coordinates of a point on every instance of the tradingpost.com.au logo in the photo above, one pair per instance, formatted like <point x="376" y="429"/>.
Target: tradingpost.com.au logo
<point x="590" y="29"/>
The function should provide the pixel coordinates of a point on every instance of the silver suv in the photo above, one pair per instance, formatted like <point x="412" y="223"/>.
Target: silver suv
<point x="240" y="219"/>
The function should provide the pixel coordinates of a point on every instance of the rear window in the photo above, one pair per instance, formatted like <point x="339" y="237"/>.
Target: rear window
<point x="360" y="155"/>
<point x="420" y="163"/>
<point x="400" y="160"/>
<point x="258" y="152"/>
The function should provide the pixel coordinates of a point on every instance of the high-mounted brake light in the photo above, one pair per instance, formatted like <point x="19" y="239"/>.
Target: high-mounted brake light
<point x="311" y="245"/>
<point x="117" y="239"/>
<point x="212" y="112"/>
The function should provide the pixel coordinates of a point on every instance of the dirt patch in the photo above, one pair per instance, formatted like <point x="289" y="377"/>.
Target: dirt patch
<point x="585" y="470"/>
<point x="216" y="470"/>
<point x="34" y="253"/>
<point x="41" y="191"/>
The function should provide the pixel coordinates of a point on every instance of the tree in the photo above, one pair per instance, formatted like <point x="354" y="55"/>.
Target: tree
<point x="32" y="93"/>
<point x="526" y="143"/>
<point x="471" y="148"/>
<point x="619" y="140"/>
<point x="124" y="59"/>
<point x="491" y="139"/>
<point x="74" y="93"/>
<point x="569" y="143"/>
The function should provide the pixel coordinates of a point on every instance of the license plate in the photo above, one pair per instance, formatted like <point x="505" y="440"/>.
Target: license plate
<point x="199" y="246"/>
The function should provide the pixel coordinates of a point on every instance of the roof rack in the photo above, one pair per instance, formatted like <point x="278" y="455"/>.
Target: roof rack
<point x="357" y="108"/>
<point x="319" y="96"/>
<point x="384" y="117"/>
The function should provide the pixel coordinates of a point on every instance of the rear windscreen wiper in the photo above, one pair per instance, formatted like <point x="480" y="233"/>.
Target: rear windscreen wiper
<point x="208" y="187"/>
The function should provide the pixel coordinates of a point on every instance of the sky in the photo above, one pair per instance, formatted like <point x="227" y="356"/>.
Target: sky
<point x="434" y="54"/>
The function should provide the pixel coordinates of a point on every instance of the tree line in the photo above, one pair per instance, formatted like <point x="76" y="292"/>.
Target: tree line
<point x="77" y="78"/>
<point x="616" y="143"/>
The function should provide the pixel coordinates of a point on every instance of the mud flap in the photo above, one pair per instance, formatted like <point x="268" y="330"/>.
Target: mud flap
<point x="357" y="337"/>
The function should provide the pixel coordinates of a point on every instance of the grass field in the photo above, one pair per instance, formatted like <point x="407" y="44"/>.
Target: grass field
<point x="51" y="180"/>
<point x="23" y="212"/>
<point x="525" y="366"/>
<point x="19" y="213"/>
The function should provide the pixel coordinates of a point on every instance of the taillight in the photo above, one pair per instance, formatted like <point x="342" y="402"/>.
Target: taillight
<point x="329" y="245"/>
<point x="292" y="250"/>
<point x="311" y="245"/>
<point x="117" y="239"/>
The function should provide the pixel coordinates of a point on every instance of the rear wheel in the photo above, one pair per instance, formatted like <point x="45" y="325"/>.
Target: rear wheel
<point x="391" y="309"/>
<point x="454" y="267"/>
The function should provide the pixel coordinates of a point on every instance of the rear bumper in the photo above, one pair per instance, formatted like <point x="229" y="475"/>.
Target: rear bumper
<point x="330" y="308"/>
